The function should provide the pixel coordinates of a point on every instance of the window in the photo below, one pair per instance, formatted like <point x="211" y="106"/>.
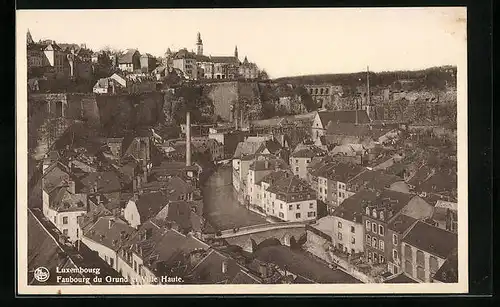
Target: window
<point x="369" y="256"/>
<point x="298" y="206"/>
<point x="374" y="213"/>
<point x="433" y="265"/>
<point x="367" y="211"/>
<point x="310" y="214"/>
<point x="339" y="225"/>
<point x="65" y="220"/>
<point x="340" y="236"/>
<point x="311" y="205"/>
<point x="111" y="262"/>
<point x="368" y="225"/>
<point x="408" y="268"/>
<point x="368" y="240"/>
<point x="395" y="269"/>
<point x="420" y="258"/>
<point x="395" y="255"/>
<point x="353" y="240"/>
<point x="321" y="190"/>
<point x="77" y="233"/>
<point x="381" y="230"/>
<point x="281" y="214"/>
<point x="381" y="245"/>
<point x="382" y="215"/>
<point x="394" y="239"/>
<point x="375" y="258"/>
<point x="420" y="273"/>
<point x="65" y="232"/>
<point x="297" y="169"/>
<point x="135" y="266"/>
<point x="374" y="242"/>
<point x="381" y="259"/>
<point x="374" y="228"/>
<point x="290" y="207"/>
<point x="408" y="252"/>
<point x="353" y="230"/>
<point x="297" y="215"/>
<point x="296" y="161"/>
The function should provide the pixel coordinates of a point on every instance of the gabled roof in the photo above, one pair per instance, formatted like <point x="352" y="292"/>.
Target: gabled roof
<point x="448" y="272"/>
<point x="401" y="223"/>
<point x="346" y="116"/>
<point x="54" y="176"/>
<point x="275" y="176"/>
<point x="373" y="180"/>
<point x="310" y="152"/>
<point x="342" y="172"/>
<point x="63" y="200"/>
<point x="109" y="231"/>
<point x="432" y="239"/>
<point x="127" y="57"/>
<point x="272" y="164"/>
<point x="149" y="204"/>
<point x="246" y="148"/>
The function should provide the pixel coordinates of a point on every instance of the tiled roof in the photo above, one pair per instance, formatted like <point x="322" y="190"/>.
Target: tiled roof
<point x="393" y="200"/>
<point x="149" y="204"/>
<point x="246" y="148"/>
<point x="401" y="223"/>
<point x="303" y="265"/>
<point x="351" y="129"/>
<point x="184" y="54"/>
<point x="373" y="180"/>
<point x="340" y="171"/>
<point x="310" y="152"/>
<point x="109" y="231"/>
<point x="431" y="239"/>
<point x="54" y="176"/>
<point x="158" y="245"/>
<point x="209" y="270"/>
<point x="62" y="200"/>
<point x="107" y="182"/>
<point x="352" y="207"/>
<point x="448" y="272"/>
<point x="127" y="57"/>
<point x="291" y="189"/>
<point x="439" y="183"/>
<point x="274" y="176"/>
<point x="347" y="116"/>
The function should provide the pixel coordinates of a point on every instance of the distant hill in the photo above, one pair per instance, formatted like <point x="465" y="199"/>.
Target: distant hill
<point x="431" y="77"/>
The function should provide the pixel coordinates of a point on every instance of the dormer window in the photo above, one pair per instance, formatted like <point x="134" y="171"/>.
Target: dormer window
<point x="367" y="211"/>
<point x="382" y="215"/>
<point x="374" y="213"/>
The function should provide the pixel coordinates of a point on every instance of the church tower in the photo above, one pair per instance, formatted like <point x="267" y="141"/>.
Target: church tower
<point x="29" y="38"/>
<point x="199" y="45"/>
<point x="236" y="51"/>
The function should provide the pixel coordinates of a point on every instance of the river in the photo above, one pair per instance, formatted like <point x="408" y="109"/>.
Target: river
<point x="221" y="207"/>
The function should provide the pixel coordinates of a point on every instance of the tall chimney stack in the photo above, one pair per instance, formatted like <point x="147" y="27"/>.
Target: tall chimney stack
<point x="188" y="138"/>
<point x="368" y="94"/>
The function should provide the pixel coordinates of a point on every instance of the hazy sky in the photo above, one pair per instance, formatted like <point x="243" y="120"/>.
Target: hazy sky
<point x="285" y="42"/>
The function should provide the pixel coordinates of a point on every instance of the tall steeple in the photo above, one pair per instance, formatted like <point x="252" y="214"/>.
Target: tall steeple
<point x="29" y="38"/>
<point x="236" y="51"/>
<point x="199" y="45"/>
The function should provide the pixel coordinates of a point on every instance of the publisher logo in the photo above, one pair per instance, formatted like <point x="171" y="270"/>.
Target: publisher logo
<point x="41" y="274"/>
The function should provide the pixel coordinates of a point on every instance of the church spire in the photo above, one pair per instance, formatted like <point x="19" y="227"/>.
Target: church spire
<point x="236" y="51"/>
<point x="29" y="38"/>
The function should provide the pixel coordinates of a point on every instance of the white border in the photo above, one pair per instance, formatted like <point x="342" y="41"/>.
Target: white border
<point x="22" y="238"/>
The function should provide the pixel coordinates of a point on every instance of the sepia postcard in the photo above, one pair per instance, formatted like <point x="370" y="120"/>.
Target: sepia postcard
<point x="242" y="151"/>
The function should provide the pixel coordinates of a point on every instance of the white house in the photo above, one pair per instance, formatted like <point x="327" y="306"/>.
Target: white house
<point x="291" y="199"/>
<point x="260" y="167"/>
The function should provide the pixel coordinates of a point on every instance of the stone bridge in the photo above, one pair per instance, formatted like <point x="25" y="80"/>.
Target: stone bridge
<point x="250" y="237"/>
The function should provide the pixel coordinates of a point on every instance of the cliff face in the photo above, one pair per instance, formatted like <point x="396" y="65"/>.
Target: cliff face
<point x="224" y="94"/>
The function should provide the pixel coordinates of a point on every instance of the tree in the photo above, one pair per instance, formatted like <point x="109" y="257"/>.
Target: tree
<point x="306" y="99"/>
<point x="263" y="75"/>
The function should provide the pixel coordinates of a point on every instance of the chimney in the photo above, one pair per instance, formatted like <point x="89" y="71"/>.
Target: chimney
<point x="188" y="139"/>
<point x="71" y="186"/>
<point x="111" y="222"/>
<point x="224" y="266"/>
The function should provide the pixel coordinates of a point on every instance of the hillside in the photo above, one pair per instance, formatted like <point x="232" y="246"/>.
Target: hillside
<point x="434" y="77"/>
